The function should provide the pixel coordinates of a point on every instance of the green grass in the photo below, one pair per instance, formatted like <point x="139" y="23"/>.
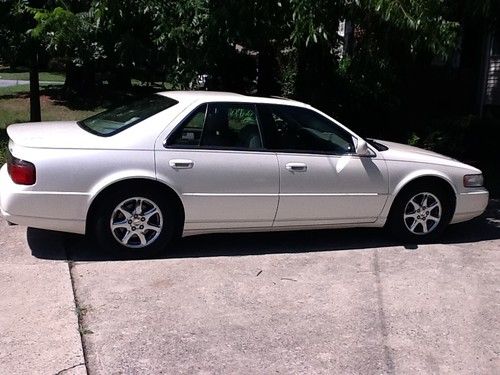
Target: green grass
<point x="17" y="109"/>
<point x="12" y="90"/>
<point x="25" y="76"/>
<point x="18" y="89"/>
<point x="4" y="140"/>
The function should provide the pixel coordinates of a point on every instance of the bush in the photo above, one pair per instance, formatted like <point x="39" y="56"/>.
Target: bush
<point x="470" y="139"/>
<point x="465" y="137"/>
<point x="4" y="140"/>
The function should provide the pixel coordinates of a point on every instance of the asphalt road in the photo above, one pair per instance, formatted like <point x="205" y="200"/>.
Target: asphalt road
<point x="345" y="301"/>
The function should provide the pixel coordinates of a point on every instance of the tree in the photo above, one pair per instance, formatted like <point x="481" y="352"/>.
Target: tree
<point x="20" y="47"/>
<point x="71" y="37"/>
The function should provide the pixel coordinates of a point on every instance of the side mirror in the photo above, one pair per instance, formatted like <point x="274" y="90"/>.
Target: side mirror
<point x="362" y="148"/>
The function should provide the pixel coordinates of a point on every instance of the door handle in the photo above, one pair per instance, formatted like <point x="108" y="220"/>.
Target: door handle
<point x="296" y="167"/>
<point x="181" y="163"/>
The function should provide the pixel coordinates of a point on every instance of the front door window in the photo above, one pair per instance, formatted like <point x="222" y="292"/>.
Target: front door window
<point x="303" y="130"/>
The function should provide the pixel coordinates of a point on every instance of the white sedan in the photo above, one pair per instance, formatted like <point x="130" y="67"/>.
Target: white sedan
<point x="182" y="163"/>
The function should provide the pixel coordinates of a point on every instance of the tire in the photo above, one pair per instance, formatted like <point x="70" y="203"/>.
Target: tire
<point x="420" y="213"/>
<point x="134" y="225"/>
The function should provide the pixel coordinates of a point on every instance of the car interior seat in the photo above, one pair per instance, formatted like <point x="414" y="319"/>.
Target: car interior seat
<point x="216" y="130"/>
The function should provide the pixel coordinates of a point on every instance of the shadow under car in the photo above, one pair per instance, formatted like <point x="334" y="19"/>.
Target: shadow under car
<point x="62" y="246"/>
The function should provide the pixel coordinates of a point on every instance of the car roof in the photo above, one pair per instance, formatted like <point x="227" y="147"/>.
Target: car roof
<point x="221" y="96"/>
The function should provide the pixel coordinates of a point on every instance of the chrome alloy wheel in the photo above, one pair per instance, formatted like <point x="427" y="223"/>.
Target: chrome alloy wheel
<point x="422" y="213"/>
<point x="136" y="222"/>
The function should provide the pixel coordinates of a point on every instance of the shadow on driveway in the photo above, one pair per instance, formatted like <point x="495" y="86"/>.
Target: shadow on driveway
<point x="61" y="246"/>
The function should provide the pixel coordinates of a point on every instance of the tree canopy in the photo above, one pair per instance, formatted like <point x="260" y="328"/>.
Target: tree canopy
<point x="179" y="39"/>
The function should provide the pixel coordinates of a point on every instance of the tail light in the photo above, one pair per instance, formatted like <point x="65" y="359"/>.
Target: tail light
<point x="20" y="171"/>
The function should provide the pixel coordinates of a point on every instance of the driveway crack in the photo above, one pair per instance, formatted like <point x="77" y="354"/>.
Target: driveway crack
<point x="69" y="368"/>
<point x="78" y="309"/>
<point x="389" y="361"/>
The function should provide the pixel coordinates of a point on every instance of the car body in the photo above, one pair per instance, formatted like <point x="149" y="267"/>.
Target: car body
<point x="226" y="162"/>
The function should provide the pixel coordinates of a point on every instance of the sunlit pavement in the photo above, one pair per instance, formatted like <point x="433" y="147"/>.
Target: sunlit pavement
<point x="346" y="301"/>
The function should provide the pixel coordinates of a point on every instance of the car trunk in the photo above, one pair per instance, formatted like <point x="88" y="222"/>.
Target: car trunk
<point x="55" y="134"/>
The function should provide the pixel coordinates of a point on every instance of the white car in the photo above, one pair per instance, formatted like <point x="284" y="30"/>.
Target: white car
<point x="183" y="163"/>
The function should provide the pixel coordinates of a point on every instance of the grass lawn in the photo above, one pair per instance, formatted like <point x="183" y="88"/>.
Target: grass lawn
<point x="11" y="90"/>
<point x="25" y="76"/>
<point x="17" y="109"/>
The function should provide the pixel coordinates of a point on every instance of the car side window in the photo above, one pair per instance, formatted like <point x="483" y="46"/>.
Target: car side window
<point x="189" y="132"/>
<point x="300" y="129"/>
<point x="219" y="125"/>
<point x="231" y="125"/>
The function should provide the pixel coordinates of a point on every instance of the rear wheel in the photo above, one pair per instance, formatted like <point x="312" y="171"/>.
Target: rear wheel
<point x="134" y="225"/>
<point x="420" y="213"/>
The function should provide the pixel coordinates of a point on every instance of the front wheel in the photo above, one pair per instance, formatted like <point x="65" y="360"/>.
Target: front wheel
<point x="420" y="213"/>
<point x="136" y="225"/>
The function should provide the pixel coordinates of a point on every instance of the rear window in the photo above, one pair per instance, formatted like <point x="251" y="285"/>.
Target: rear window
<point x="117" y="119"/>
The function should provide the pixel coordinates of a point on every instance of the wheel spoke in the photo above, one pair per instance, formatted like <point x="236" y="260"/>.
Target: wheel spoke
<point x="127" y="237"/>
<point x="138" y="206"/>
<point x="125" y="213"/>
<point x="433" y="206"/>
<point x="430" y="217"/>
<point x="121" y="224"/>
<point x="154" y="228"/>
<point x="415" y="205"/>
<point x="425" y="227"/>
<point x="414" y="225"/>
<point x="412" y="215"/>
<point x="142" y="238"/>
<point x="424" y="200"/>
<point x="150" y="214"/>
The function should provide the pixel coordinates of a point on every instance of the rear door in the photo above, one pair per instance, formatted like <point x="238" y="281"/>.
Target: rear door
<point x="216" y="161"/>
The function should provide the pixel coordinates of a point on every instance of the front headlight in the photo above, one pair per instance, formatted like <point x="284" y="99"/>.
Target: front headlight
<point x="473" y="180"/>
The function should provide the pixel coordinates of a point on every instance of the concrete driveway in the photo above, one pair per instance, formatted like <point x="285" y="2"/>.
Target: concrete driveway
<point x="346" y="301"/>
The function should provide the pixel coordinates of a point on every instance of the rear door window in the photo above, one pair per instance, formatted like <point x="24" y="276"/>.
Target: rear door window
<point x="219" y="125"/>
<point x="189" y="132"/>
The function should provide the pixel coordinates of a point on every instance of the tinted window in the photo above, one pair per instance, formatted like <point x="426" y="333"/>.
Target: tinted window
<point x="120" y="118"/>
<point x="189" y="132"/>
<point x="300" y="129"/>
<point x="225" y="125"/>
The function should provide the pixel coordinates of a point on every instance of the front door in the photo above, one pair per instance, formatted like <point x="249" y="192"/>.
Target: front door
<point x="322" y="181"/>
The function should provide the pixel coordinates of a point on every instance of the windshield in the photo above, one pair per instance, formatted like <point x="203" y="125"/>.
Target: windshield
<point x="117" y="119"/>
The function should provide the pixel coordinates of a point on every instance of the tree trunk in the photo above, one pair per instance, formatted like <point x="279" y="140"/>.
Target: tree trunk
<point x="348" y="38"/>
<point x="35" y="112"/>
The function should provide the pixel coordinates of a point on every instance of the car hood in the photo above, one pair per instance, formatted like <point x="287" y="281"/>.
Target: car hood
<point x="52" y="134"/>
<point x="406" y="153"/>
<point x="402" y="148"/>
